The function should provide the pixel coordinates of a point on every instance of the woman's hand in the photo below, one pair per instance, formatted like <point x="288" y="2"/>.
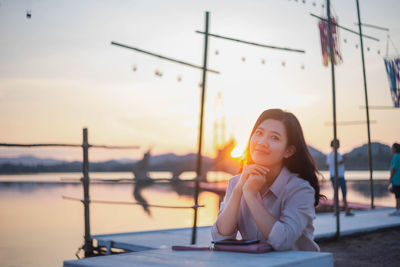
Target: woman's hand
<point x="252" y="171"/>
<point x="255" y="183"/>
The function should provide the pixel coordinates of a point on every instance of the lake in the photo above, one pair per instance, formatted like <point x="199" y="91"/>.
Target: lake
<point x="39" y="228"/>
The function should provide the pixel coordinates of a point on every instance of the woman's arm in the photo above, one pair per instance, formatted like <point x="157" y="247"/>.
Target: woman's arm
<point x="297" y="212"/>
<point x="228" y="218"/>
<point x="264" y="220"/>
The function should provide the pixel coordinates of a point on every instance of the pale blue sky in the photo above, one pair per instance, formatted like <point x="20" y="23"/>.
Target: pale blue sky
<point x="58" y="72"/>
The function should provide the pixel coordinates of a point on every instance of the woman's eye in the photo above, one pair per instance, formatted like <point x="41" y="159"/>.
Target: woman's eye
<point x="258" y="133"/>
<point x="275" y="138"/>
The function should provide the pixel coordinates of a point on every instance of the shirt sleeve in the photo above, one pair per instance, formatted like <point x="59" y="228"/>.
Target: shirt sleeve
<point x="214" y="230"/>
<point x="297" y="213"/>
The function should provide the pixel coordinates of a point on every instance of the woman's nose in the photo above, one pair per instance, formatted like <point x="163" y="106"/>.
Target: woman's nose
<point x="263" y="142"/>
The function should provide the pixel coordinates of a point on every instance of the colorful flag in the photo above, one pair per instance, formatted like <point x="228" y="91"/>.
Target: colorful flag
<point x="324" y="35"/>
<point x="393" y="71"/>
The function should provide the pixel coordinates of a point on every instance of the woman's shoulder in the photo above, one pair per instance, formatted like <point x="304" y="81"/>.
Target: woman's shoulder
<point x="297" y="183"/>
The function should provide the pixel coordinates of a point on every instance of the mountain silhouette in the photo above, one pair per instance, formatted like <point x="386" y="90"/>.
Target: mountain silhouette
<point x="357" y="159"/>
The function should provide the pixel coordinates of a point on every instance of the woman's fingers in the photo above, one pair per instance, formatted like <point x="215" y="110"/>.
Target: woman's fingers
<point x="254" y="168"/>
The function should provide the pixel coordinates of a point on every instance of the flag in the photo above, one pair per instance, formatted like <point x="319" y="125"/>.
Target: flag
<point x="324" y="36"/>
<point x="393" y="72"/>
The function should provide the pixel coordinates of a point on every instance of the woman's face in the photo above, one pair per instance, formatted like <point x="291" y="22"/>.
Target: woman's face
<point x="268" y="144"/>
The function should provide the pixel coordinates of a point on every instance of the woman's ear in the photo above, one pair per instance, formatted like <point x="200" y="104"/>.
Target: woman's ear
<point x="289" y="151"/>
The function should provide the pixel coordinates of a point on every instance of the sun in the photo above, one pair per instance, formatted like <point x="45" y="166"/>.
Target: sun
<point x="238" y="151"/>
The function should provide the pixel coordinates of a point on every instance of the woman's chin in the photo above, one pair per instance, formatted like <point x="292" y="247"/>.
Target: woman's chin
<point x="264" y="163"/>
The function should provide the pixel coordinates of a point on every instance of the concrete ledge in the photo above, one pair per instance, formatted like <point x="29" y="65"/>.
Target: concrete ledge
<point x="167" y="257"/>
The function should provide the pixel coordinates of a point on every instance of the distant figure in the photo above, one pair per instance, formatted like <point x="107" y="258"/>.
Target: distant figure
<point x="395" y="176"/>
<point x="140" y="168"/>
<point x="330" y="162"/>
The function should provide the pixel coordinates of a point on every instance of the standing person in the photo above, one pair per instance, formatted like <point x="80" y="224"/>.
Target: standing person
<point x="273" y="199"/>
<point x="395" y="176"/>
<point x="330" y="162"/>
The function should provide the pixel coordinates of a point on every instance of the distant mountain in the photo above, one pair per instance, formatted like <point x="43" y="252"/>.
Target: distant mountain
<point x="30" y="160"/>
<point x="319" y="157"/>
<point x="357" y="159"/>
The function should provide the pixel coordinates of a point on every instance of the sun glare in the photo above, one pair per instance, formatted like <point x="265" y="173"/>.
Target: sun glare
<point x="237" y="152"/>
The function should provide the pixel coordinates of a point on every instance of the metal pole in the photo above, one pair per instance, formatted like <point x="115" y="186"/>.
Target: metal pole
<point x="366" y="110"/>
<point x="86" y="200"/>
<point x="198" y="167"/>
<point x="328" y="6"/>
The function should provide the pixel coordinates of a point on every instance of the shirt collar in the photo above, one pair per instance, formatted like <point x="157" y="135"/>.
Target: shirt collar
<point x="280" y="182"/>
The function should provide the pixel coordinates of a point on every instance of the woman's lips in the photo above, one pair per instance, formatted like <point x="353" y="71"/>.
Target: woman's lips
<point x="262" y="151"/>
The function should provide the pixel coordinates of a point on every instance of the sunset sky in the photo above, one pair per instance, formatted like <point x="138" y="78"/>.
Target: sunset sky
<point x="59" y="73"/>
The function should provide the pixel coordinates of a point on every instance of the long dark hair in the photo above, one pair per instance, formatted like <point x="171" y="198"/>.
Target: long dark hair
<point x="301" y="162"/>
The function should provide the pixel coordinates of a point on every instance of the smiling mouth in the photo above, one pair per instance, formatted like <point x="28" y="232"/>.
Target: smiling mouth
<point x="262" y="151"/>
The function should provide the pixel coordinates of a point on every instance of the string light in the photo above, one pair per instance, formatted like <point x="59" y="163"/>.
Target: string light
<point x="158" y="73"/>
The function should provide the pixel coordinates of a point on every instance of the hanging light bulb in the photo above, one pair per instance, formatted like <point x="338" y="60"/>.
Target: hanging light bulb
<point x="283" y="63"/>
<point x="217" y="52"/>
<point x="304" y="1"/>
<point x="356" y="45"/>
<point x="179" y="78"/>
<point x="134" y="68"/>
<point x="322" y="5"/>
<point x="379" y="52"/>
<point x="263" y="61"/>
<point x="345" y="40"/>
<point x="158" y="73"/>
<point x="368" y="48"/>
<point x="243" y="59"/>
<point x="302" y="66"/>
<point x="313" y="4"/>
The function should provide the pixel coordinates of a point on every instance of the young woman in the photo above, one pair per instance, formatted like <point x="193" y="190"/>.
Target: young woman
<point x="273" y="199"/>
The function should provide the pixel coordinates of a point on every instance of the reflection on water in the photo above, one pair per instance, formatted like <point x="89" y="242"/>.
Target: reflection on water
<point x="39" y="228"/>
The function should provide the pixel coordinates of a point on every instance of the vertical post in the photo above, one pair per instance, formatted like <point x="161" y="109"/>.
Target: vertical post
<point x="88" y="246"/>
<point x="366" y="109"/>
<point x="331" y="52"/>
<point x="199" y="157"/>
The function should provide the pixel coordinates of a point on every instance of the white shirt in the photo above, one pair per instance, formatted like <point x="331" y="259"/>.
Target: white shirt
<point x="330" y="161"/>
<point x="290" y="200"/>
